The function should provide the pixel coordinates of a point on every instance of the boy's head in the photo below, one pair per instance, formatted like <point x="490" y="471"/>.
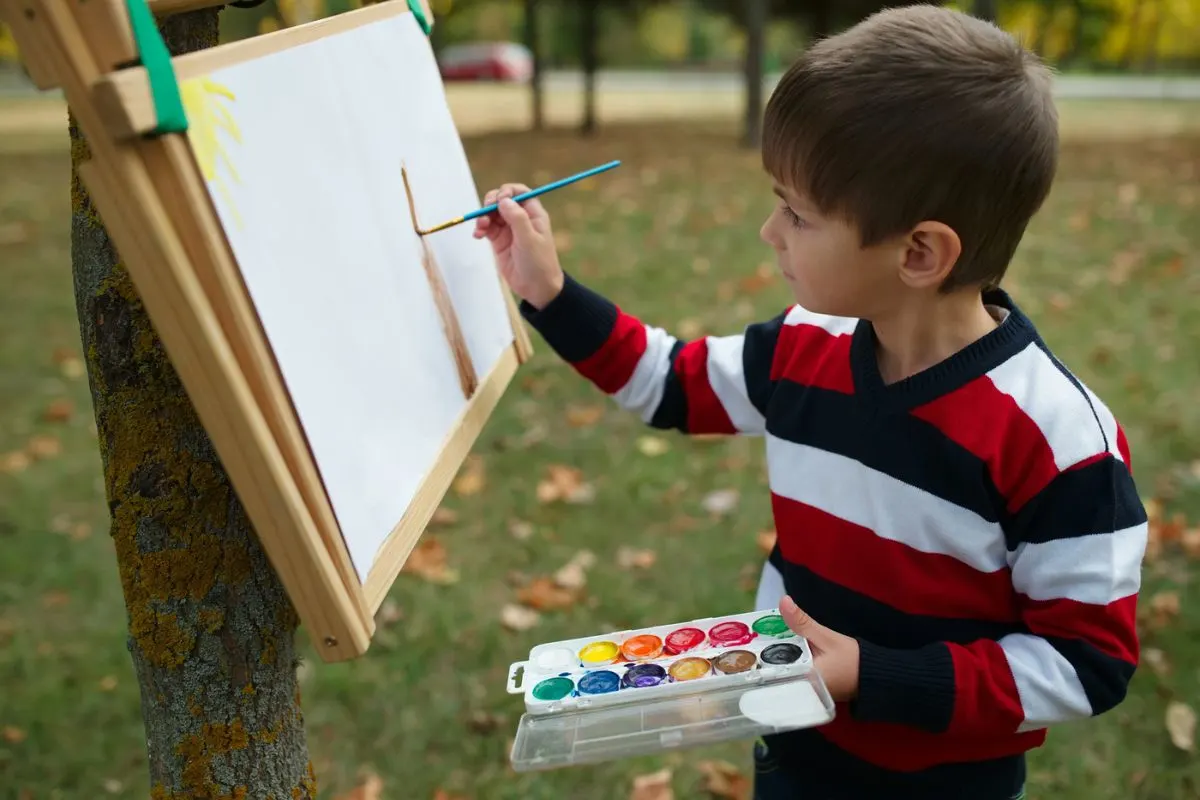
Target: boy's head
<point x="910" y="152"/>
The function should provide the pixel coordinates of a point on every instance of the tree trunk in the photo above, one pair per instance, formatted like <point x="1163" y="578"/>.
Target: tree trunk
<point x="532" y="41"/>
<point x="756" y="33"/>
<point x="211" y="629"/>
<point x="589" y="34"/>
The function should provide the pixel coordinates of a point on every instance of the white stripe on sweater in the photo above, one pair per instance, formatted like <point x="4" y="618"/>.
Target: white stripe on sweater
<point x="893" y="509"/>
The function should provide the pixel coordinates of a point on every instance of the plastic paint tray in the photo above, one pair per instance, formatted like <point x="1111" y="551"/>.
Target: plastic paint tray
<point x="638" y="692"/>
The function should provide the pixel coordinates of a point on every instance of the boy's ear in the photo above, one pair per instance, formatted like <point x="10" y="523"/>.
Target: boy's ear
<point x="932" y="250"/>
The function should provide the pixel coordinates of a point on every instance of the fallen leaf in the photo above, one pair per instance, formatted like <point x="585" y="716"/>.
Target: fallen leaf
<point x="633" y="558"/>
<point x="566" y="484"/>
<point x="1157" y="661"/>
<point x="60" y="410"/>
<point x="428" y="560"/>
<point x="370" y="789"/>
<point x="584" y="416"/>
<point x="40" y="447"/>
<point x="1164" y="606"/>
<point x="1173" y="531"/>
<point x="720" y="502"/>
<point x="389" y="612"/>
<point x="571" y="576"/>
<point x="1123" y="264"/>
<point x="13" y="734"/>
<point x="766" y="541"/>
<point x="14" y="462"/>
<point x="444" y="516"/>
<point x="484" y="722"/>
<point x="1060" y="301"/>
<point x="1189" y="540"/>
<point x="654" y="786"/>
<point x="108" y="683"/>
<point x="544" y="594"/>
<point x="652" y="445"/>
<point x="1180" y="720"/>
<point x="518" y="618"/>
<point x="689" y="328"/>
<point x="724" y="781"/>
<point x="68" y="363"/>
<point x="763" y="277"/>
<point x="520" y="529"/>
<point x="1174" y="267"/>
<point x="470" y="478"/>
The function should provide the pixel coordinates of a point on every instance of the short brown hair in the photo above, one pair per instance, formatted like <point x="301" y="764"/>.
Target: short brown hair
<point x="920" y="113"/>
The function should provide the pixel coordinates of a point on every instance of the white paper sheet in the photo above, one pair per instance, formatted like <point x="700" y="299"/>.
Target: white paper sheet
<point x="315" y="210"/>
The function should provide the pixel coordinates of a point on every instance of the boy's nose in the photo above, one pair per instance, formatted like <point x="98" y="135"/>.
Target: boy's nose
<point x="765" y="234"/>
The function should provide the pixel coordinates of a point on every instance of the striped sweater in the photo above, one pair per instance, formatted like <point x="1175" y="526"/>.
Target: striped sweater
<point x="975" y="526"/>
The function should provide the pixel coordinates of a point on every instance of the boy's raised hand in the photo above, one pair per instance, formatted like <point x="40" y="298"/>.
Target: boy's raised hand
<point x="524" y="245"/>
<point x="835" y="655"/>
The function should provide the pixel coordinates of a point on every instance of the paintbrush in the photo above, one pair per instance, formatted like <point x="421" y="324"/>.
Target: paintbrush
<point x="488" y="209"/>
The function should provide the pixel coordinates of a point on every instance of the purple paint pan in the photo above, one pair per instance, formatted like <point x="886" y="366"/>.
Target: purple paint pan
<point x="641" y="675"/>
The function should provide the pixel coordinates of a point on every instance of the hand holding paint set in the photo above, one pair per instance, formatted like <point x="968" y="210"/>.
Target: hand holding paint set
<point x="637" y="692"/>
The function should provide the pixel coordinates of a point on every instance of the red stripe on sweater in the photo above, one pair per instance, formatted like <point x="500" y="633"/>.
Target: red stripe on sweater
<point x="990" y="424"/>
<point x="985" y="693"/>
<point x="705" y="414"/>
<point x="811" y="356"/>
<point x="907" y="749"/>
<point x="1123" y="449"/>
<point x="611" y="367"/>
<point x="908" y="580"/>
<point x="1111" y="629"/>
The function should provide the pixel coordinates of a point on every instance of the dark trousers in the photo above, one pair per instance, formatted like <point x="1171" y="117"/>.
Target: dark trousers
<point x="772" y="782"/>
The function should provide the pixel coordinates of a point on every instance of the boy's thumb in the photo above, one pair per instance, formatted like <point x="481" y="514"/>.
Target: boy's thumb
<point x="798" y="619"/>
<point x="516" y="217"/>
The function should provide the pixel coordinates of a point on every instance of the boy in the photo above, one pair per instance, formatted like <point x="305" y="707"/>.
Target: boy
<point x="959" y="534"/>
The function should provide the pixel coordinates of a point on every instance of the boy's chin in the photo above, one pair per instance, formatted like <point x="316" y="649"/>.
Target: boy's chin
<point x="816" y="304"/>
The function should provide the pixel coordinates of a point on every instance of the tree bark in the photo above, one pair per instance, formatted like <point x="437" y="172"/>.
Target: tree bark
<point x="211" y="629"/>
<point x="533" y="42"/>
<point x="756" y="34"/>
<point x="589" y="34"/>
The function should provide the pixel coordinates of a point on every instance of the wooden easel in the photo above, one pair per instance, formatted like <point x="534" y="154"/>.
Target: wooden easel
<point x="149" y="192"/>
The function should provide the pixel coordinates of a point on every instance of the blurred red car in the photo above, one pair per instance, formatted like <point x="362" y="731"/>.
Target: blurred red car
<point x="486" y="61"/>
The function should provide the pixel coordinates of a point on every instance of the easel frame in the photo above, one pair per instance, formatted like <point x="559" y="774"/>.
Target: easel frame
<point x="148" y="190"/>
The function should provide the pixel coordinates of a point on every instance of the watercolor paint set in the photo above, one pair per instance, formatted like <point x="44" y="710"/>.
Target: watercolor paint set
<point x="642" y="691"/>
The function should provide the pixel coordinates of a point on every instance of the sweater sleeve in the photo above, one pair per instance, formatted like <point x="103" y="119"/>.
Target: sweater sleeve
<point x="1076" y="572"/>
<point x="705" y="386"/>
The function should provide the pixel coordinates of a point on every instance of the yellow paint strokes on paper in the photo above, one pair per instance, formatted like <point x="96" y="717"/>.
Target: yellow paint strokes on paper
<point x="204" y="102"/>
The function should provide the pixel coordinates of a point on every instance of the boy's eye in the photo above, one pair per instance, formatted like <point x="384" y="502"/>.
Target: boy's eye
<point x="792" y="216"/>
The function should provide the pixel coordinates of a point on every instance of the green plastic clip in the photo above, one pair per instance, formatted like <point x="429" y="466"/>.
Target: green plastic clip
<point x="152" y="50"/>
<point x="415" y="7"/>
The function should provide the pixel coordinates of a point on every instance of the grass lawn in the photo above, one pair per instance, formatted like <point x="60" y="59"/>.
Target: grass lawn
<point x="1110" y="271"/>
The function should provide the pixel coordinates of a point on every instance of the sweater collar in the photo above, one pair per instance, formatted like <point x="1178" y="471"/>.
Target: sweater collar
<point x="1011" y="336"/>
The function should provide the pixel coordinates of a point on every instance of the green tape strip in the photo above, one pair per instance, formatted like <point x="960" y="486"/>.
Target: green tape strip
<point x="164" y="88"/>
<point x="415" y="7"/>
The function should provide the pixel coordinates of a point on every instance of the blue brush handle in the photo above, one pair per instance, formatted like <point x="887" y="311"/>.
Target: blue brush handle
<point x="488" y="209"/>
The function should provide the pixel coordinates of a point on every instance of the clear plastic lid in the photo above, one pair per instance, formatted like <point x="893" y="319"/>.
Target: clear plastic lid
<point x="744" y="710"/>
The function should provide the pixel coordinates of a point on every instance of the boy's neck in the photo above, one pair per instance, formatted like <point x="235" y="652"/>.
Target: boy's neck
<point x="915" y="336"/>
